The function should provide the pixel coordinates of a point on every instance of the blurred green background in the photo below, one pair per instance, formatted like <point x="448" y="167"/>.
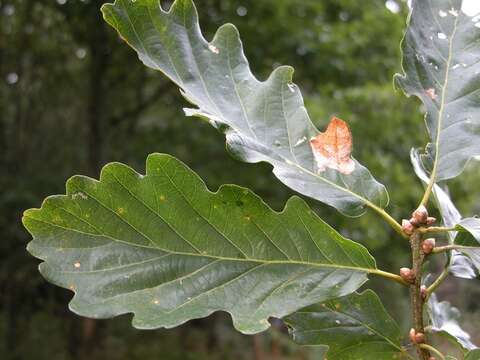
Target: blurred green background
<point x="73" y="97"/>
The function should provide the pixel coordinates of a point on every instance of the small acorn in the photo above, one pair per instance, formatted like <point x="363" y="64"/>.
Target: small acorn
<point x="407" y="227"/>
<point x="430" y="220"/>
<point x="407" y="274"/>
<point x="428" y="245"/>
<point x="420" y="215"/>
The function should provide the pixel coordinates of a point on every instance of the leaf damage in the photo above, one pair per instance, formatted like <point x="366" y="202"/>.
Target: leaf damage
<point x="333" y="148"/>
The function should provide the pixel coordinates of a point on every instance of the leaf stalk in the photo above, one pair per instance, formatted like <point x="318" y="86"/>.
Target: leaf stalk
<point x="390" y="276"/>
<point x="433" y="350"/>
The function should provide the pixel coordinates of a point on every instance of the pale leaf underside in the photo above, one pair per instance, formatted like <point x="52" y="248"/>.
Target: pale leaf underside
<point x="262" y="120"/>
<point x="441" y="49"/>
<point x="461" y="263"/>
<point x="444" y="321"/>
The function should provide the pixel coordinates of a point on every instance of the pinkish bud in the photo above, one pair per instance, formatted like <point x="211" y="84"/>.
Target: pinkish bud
<point x="432" y="358"/>
<point x="408" y="275"/>
<point x="416" y="337"/>
<point x="420" y="215"/>
<point x="428" y="245"/>
<point x="431" y="220"/>
<point x="411" y="335"/>
<point x="423" y="292"/>
<point x="407" y="227"/>
<point x="419" y="338"/>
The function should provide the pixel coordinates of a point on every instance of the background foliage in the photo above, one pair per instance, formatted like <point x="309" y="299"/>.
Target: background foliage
<point x="73" y="98"/>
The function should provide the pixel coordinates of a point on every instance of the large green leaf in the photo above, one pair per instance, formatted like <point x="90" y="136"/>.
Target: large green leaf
<point x="444" y="321"/>
<point x="165" y="248"/>
<point x="441" y="49"/>
<point x="351" y="326"/>
<point x="263" y="120"/>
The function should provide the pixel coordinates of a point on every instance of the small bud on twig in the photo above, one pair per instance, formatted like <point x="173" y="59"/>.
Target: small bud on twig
<point x="430" y="220"/>
<point x="420" y="215"/>
<point x="419" y="338"/>
<point x="407" y="227"/>
<point x="428" y="245"/>
<point x="408" y="275"/>
<point x="411" y="335"/>
<point x="416" y="337"/>
<point x="432" y="358"/>
<point x="423" y="292"/>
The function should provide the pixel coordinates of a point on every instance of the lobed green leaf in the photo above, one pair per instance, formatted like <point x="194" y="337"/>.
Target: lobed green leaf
<point x="165" y="248"/>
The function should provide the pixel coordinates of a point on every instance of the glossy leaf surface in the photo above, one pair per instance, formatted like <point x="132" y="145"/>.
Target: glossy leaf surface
<point x="440" y="62"/>
<point x="262" y="120"/>
<point x="351" y="326"/>
<point x="165" y="248"/>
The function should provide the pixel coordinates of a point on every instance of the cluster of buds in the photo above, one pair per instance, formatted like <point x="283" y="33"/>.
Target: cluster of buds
<point x="407" y="274"/>
<point x="419" y="217"/>
<point x="416" y="337"/>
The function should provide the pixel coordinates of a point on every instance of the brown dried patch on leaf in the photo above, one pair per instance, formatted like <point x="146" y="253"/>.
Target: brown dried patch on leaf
<point x="332" y="148"/>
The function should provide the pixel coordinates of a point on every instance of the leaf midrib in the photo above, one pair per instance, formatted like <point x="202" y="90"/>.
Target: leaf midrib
<point x="441" y="111"/>
<point x="180" y="253"/>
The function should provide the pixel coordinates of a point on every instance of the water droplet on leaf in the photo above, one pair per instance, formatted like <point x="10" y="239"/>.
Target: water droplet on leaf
<point x="441" y="36"/>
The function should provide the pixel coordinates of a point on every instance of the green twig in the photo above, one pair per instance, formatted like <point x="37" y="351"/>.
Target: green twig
<point x="431" y="229"/>
<point x="437" y="281"/>
<point x="433" y="350"/>
<point x="390" y="276"/>
<point x="441" y="249"/>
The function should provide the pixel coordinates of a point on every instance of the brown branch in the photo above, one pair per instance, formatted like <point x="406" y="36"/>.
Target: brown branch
<point x="416" y="298"/>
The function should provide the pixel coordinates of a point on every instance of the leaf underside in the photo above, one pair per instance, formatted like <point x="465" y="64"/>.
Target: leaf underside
<point x="444" y="321"/>
<point x="352" y="326"/>
<point x="468" y="238"/>
<point x="461" y="263"/>
<point x="263" y="120"/>
<point x="165" y="248"/>
<point x="441" y="49"/>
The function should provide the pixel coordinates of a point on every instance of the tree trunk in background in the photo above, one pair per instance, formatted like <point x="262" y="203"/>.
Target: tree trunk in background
<point x="98" y="47"/>
<point x="258" y="353"/>
<point x="99" y="58"/>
